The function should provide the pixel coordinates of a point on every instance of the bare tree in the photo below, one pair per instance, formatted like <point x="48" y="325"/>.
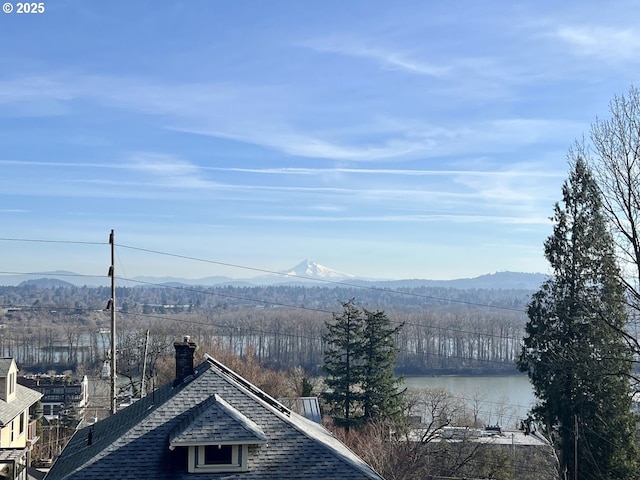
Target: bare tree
<point x="614" y="156"/>
<point x="436" y="439"/>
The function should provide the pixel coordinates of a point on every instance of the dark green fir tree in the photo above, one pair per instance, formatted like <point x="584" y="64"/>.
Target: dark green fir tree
<point x="574" y="349"/>
<point x="344" y="366"/>
<point x="382" y="396"/>
<point x="359" y="361"/>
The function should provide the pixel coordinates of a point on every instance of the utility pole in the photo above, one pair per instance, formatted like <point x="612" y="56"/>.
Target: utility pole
<point x="513" y="449"/>
<point x="575" y="447"/>
<point x="112" y="303"/>
<point x="144" y="367"/>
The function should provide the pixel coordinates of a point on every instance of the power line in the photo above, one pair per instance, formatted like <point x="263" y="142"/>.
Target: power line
<point x="244" y="267"/>
<point x="273" y="303"/>
<point x="147" y="315"/>
<point x="321" y="280"/>
<point x="297" y="336"/>
<point x="202" y="291"/>
<point x="40" y="240"/>
<point x="252" y="330"/>
<point x="227" y="295"/>
<point x="208" y="291"/>
<point x="54" y="274"/>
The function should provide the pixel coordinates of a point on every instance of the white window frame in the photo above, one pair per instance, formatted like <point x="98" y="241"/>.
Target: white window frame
<point x="239" y="454"/>
<point x="23" y="423"/>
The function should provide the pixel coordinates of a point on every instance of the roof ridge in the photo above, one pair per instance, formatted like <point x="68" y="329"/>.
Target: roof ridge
<point x="243" y="382"/>
<point x="325" y="439"/>
<point x="352" y="458"/>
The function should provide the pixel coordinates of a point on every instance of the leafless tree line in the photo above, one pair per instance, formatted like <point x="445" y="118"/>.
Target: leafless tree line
<point x="438" y="339"/>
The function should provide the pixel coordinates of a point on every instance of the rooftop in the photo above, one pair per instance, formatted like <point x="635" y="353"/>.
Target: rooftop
<point x="135" y="442"/>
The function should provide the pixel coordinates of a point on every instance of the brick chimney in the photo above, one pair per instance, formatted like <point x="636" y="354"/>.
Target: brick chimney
<point x="184" y="359"/>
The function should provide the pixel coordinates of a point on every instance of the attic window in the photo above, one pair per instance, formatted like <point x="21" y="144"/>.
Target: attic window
<point x="218" y="458"/>
<point x="218" y="437"/>
<point x="218" y="455"/>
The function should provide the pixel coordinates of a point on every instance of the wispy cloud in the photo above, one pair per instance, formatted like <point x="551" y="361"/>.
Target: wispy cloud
<point x="457" y="76"/>
<point x="173" y="172"/>
<point x="140" y="175"/>
<point x="386" y="171"/>
<point x="384" y="56"/>
<point x="604" y="42"/>
<point x="163" y="164"/>
<point x="414" y="142"/>
<point x="266" y="117"/>
<point x="454" y="218"/>
<point x="63" y="164"/>
<point x="28" y="88"/>
<point x="309" y="144"/>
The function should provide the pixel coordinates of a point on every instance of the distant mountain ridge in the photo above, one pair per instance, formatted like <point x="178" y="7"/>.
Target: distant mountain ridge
<point x="46" y="283"/>
<point x="306" y="272"/>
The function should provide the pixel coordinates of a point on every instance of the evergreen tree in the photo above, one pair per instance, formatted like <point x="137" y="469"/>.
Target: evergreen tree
<point x="343" y="365"/>
<point x="381" y="396"/>
<point x="359" y="362"/>
<point x="574" y="350"/>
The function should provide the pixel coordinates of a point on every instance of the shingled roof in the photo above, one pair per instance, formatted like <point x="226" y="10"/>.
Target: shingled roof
<point x="24" y="397"/>
<point x="149" y="439"/>
<point x="5" y="365"/>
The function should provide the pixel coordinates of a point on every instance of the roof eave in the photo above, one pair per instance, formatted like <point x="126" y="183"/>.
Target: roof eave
<point x="195" y="443"/>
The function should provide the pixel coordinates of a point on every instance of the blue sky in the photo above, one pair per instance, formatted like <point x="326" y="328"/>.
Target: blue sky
<point x="404" y="139"/>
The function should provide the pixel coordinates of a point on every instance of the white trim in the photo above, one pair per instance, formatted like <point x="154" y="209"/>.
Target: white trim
<point x="239" y="454"/>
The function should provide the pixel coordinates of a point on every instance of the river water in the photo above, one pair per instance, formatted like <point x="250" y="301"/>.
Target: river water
<point x="501" y="400"/>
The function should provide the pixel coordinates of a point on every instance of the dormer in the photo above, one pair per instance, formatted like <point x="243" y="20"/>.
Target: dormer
<point x="217" y="437"/>
<point x="8" y="379"/>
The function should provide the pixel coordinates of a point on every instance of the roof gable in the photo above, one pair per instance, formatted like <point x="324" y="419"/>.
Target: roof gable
<point x="215" y="422"/>
<point x="136" y="440"/>
<point x="25" y="397"/>
<point x="5" y="365"/>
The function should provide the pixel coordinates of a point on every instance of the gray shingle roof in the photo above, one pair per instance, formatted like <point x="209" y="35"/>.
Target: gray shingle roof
<point x="216" y="423"/>
<point x="134" y="443"/>
<point x="5" y="364"/>
<point x="25" y="397"/>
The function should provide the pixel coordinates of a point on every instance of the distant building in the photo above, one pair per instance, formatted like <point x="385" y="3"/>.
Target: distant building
<point x="60" y="394"/>
<point x="210" y="423"/>
<point x="17" y="429"/>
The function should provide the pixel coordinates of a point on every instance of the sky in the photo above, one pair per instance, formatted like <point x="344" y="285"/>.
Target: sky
<point x="404" y="139"/>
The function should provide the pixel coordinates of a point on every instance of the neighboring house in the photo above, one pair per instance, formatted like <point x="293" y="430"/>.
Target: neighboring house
<point x="60" y="393"/>
<point x="209" y="424"/>
<point x="17" y="430"/>
<point x="308" y="407"/>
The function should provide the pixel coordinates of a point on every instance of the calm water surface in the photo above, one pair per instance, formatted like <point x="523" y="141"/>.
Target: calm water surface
<point x="503" y="400"/>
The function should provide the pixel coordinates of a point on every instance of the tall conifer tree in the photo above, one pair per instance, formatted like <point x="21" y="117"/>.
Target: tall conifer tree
<point x="574" y="352"/>
<point x="359" y="362"/>
<point x="343" y="365"/>
<point x="380" y="386"/>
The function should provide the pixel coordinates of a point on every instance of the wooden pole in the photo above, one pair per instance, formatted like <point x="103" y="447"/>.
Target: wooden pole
<point x="112" y="274"/>
<point x="144" y="367"/>
<point x="575" y="447"/>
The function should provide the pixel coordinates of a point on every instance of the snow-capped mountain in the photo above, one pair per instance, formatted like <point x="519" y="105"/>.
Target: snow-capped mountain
<point x="309" y="269"/>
